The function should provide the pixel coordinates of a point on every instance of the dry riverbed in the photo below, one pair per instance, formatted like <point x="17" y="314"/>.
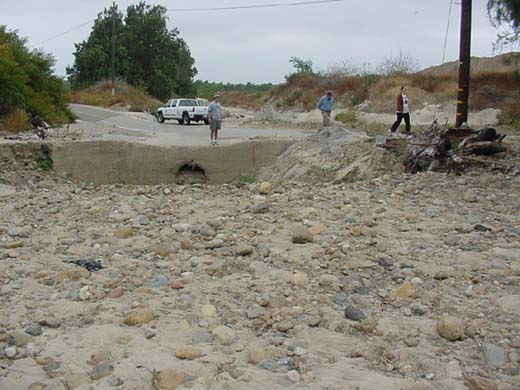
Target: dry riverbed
<point x="404" y="282"/>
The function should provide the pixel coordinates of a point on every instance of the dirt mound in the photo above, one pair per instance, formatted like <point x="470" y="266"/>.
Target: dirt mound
<point x="332" y="155"/>
<point x="504" y="63"/>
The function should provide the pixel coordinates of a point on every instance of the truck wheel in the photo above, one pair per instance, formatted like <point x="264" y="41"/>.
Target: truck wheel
<point x="185" y="119"/>
<point x="160" y="117"/>
<point x="180" y="121"/>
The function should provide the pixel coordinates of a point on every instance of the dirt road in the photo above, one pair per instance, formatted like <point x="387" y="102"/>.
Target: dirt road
<point x="194" y="134"/>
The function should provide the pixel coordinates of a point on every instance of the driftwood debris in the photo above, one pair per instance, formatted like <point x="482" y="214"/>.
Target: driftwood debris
<point x="438" y="149"/>
<point x="486" y="148"/>
<point x="39" y="126"/>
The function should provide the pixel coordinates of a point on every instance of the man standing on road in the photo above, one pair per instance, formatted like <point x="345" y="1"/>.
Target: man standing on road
<point x="215" y="118"/>
<point x="325" y="106"/>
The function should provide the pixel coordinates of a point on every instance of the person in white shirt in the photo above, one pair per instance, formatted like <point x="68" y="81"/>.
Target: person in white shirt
<point x="403" y="112"/>
<point x="215" y="119"/>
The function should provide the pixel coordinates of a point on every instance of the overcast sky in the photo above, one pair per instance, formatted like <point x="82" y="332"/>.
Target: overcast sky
<point x="255" y="45"/>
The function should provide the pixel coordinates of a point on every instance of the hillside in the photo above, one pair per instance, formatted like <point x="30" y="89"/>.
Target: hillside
<point x="504" y="63"/>
<point x="495" y="84"/>
<point x="127" y="97"/>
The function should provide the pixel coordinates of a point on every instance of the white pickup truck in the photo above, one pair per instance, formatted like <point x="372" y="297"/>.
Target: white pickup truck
<point x="183" y="110"/>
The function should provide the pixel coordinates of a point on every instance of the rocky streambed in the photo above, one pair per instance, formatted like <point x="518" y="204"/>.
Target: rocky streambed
<point x="393" y="282"/>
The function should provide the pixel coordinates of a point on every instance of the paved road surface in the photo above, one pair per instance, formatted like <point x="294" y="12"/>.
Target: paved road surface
<point x="192" y="134"/>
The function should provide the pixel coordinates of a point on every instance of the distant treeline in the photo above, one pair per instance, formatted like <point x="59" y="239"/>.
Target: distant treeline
<point x="207" y="89"/>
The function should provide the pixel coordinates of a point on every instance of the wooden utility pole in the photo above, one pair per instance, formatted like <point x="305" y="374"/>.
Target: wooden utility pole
<point x="464" y="64"/>
<point x="113" y="49"/>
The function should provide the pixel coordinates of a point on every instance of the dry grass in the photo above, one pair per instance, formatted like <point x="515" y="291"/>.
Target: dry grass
<point x="299" y="93"/>
<point x="510" y="114"/>
<point x="243" y="99"/>
<point x="16" y="121"/>
<point x="126" y="95"/>
<point x="348" y="117"/>
<point x="433" y="90"/>
<point x="488" y="90"/>
<point x="493" y="90"/>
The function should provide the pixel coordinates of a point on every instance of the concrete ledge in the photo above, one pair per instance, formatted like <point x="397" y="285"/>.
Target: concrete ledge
<point x="107" y="162"/>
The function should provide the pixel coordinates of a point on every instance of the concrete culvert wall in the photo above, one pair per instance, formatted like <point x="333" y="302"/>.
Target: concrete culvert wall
<point x="191" y="173"/>
<point x="107" y="162"/>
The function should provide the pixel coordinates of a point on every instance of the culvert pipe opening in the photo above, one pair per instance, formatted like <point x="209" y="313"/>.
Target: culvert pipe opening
<point x="191" y="173"/>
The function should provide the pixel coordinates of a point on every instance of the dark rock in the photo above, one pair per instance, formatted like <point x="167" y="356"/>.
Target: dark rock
<point x="34" y="330"/>
<point x="481" y="228"/>
<point x="385" y="262"/>
<point x="340" y="298"/>
<point x="441" y="275"/>
<point x="354" y="314"/>
<point x="53" y="324"/>
<point x="89" y="265"/>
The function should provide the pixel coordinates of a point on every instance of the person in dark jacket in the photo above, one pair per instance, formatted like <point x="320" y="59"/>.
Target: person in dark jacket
<point x="402" y="111"/>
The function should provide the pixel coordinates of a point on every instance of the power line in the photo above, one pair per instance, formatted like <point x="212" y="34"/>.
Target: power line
<point x="444" y="49"/>
<point x="271" y="5"/>
<point x="64" y="33"/>
<point x="447" y="31"/>
<point x="113" y="12"/>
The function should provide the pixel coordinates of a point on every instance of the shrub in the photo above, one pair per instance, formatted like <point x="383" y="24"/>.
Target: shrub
<point x="27" y="82"/>
<point x="348" y="117"/>
<point x="252" y="100"/>
<point x="15" y="121"/>
<point x="293" y="98"/>
<point x="99" y="95"/>
<point x="246" y="179"/>
<point x="43" y="159"/>
<point x="431" y="83"/>
<point x="301" y="66"/>
<point x="399" y="65"/>
<point x="136" y="108"/>
<point x="489" y="90"/>
<point x="510" y="112"/>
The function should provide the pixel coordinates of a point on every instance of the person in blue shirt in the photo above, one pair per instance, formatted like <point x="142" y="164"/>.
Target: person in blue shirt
<point x="325" y="105"/>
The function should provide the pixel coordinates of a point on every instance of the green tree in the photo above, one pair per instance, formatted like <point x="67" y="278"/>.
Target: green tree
<point x="27" y="82"/>
<point x="505" y="13"/>
<point x="207" y="89"/>
<point x="302" y="66"/>
<point x="148" y="54"/>
<point x="93" y="57"/>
